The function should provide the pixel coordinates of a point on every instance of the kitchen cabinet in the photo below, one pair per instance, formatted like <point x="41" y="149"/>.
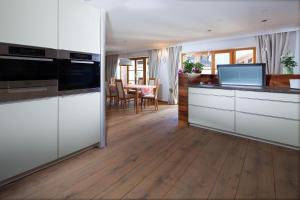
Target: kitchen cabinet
<point x="283" y="131"/>
<point x="79" y="26"/>
<point x="212" y="118"/>
<point x="28" y="136"/>
<point x="79" y="122"/>
<point x="212" y="108"/>
<point x="29" y="22"/>
<point x="269" y="116"/>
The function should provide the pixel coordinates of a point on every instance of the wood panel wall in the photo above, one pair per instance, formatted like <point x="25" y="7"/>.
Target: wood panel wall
<point x="185" y="80"/>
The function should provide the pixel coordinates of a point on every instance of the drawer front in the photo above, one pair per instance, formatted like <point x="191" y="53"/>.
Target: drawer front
<point x="213" y="118"/>
<point x="270" y="108"/>
<point x="221" y="102"/>
<point x="269" y="96"/>
<point x="273" y="129"/>
<point x="28" y="135"/>
<point x="209" y="91"/>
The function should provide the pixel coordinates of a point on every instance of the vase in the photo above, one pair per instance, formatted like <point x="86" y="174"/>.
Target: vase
<point x="289" y="70"/>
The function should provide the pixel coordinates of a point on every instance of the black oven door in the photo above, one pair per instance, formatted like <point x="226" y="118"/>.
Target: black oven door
<point x="78" y="75"/>
<point x="14" y="68"/>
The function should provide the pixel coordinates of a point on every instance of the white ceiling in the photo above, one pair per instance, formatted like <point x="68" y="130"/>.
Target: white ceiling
<point x="147" y="24"/>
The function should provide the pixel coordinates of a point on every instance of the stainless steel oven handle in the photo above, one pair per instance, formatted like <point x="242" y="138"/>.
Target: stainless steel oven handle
<point x="25" y="90"/>
<point x="25" y="58"/>
<point x="82" y="62"/>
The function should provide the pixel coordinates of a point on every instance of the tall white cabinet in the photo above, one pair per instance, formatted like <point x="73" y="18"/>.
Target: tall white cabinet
<point x="79" y="122"/>
<point x="28" y="135"/>
<point x="58" y="24"/>
<point x="79" y="26"/>
<point x="29" y="22"/>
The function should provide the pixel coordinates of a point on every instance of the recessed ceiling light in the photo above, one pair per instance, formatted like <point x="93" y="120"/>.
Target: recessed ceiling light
<point x="264" y="20"/>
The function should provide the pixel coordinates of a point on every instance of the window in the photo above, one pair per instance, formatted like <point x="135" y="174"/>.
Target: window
<point x="139" y="69"/>
<point x="244" y="56"/>
<point x="211" y="59"/>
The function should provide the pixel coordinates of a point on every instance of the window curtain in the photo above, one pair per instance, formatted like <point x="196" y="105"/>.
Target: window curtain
<point x="271" y="47"/>
<point x="154" y="62"/>
<point x="111" y="66"/>
<point x="173" y="63"/>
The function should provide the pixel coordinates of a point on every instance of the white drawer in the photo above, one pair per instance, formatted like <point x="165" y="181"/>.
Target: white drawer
<point x="268" y="96"/>
<point x="213" y="118"/>
<point x="270" y="108"/>
<point x="221" y="102"/>
<point x="210" y="91"/>
<point x="273" y="129"/>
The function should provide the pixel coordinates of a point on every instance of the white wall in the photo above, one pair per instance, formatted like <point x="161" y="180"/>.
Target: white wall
<point x="134" y="54"/>
<point x="218" y="44"/>
<point x="297" y="52"/>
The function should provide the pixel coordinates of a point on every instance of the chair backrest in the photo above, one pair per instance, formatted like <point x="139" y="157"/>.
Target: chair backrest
<point x="157" y="88"/>
<point x="107" y="90"/>
<point x="120" y="89"/>
<point x="141" y="81"/>
<point x="152" y="81"/>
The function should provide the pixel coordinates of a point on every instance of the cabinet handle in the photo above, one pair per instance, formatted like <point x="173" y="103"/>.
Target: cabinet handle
<point x="25" y="90"/>
<point x="24" y="58"/>
<point x="82" y="62"/>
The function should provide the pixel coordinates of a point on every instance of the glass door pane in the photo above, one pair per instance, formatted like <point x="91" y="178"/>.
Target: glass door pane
<point x="244" y="56"/>
<point x="221" y="59"/>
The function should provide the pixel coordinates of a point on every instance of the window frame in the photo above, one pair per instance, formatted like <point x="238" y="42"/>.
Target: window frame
<point x="214" y="52"/>
<point x="135" y="69"/>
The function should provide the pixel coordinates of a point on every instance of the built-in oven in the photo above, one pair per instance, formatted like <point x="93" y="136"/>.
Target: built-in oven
<point x="78" y="72"/>
<point x="27" y="72"/>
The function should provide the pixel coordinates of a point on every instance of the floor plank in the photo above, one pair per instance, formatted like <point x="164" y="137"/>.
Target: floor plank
<point x="228" y="179"/>
<point x="257" y="179"/>
<point x="286" y="171"/>
<point x="199" y="178"/>
<point x="158" y="183"/>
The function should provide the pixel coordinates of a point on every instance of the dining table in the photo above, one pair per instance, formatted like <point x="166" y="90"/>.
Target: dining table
<point x="138" y="88"/>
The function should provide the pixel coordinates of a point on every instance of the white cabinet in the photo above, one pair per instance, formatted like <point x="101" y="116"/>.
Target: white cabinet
<point x="289" y="110"/>
<point x="212" y="108"/>
<point x="213" y="118"/>
<point x="273" y="117"/>
<point x="211" y="101"/>
<point x="79" y="26"/>
<point x="29" y="22"/>
<point x="79" y="122"/>
<point x="28" y="135"/>
<point x="283" y="131"/>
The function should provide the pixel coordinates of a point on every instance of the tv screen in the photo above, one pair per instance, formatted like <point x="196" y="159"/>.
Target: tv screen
<point x="242" y="74"/>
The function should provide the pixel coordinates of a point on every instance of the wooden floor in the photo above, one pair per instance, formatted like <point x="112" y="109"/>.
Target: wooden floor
<point x="148" y="157"/>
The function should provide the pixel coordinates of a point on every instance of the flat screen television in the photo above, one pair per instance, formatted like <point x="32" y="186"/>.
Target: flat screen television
<point x="242" y="74"/>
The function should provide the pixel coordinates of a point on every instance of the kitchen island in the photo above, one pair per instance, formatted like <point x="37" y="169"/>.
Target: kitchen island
<point x="269" y="114"/>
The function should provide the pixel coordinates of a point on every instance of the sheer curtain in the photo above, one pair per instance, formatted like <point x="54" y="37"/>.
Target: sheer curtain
<point x="173" y="63"/>
<point x="154" y="62"/>
<point x="271" y="47"/>
<point x="111" y="66"/>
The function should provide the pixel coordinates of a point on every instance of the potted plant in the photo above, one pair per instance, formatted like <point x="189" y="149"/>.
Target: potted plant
<point x="189" y="67"/>
<point x="289" y="63"/>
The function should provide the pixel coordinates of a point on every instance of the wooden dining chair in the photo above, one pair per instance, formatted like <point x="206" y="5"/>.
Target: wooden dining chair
<point x="111" y="95"/>
<point x="122" y="95"/>
<point x="141" y="81"/>
<point x="152" y="81"/>
<point x="151" y="97"/>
